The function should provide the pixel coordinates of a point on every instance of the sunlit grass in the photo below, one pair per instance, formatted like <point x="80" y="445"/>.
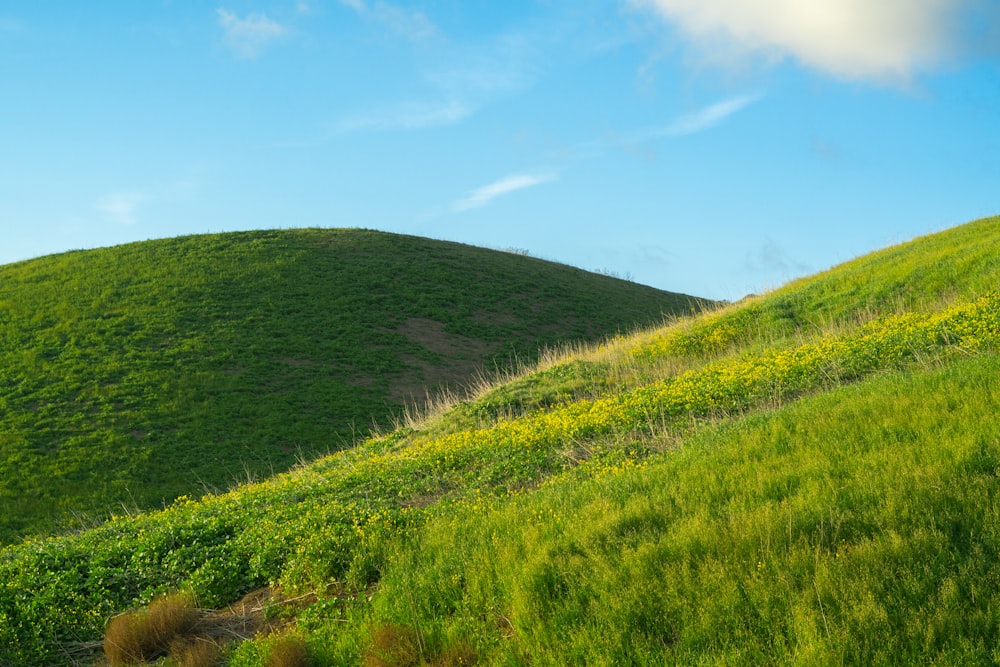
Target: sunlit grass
<point x="856" y="527"/>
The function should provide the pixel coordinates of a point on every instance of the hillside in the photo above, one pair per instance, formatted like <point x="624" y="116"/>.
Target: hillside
<point x="809" y="476"/>
<point x="132" y="375"/>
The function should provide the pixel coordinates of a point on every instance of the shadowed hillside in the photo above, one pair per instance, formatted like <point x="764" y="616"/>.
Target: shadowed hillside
<point x="135" y="374"/>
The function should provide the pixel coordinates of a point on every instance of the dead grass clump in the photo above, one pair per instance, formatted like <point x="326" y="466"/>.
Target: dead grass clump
<point x="458" y="654"/>
<point x="194" y="653"/>
<point x="146" y="634"/>
<point x="393" y="646"/>
<point x="288" y="651"/>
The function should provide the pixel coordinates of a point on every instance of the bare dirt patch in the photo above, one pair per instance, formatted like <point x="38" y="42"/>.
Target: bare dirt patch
<point x="460" y="358"/>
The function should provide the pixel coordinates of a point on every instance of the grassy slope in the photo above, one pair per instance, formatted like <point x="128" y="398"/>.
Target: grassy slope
<point x="918" y="276"/>
<point x="855" y="527"/>
<point x="139" y="373"/>
<point x="732" y="489"/>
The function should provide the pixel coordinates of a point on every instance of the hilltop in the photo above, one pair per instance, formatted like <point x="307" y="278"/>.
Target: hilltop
<point x="809" y="476"/>
<point x="132" y="375"/>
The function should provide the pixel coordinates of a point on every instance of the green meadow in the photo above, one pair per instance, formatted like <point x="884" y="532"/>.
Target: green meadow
<point x="132" y="375"/>
<point x="806" y="477"/>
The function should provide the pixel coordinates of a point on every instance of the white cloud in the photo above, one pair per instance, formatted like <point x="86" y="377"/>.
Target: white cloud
<point x="699" y="120"/>
<point x="482" y="196"/>
<point x="853" y="39"/>
<point x="705" y="118"/>
<point x="410" y="24"/>
<point x="121" y="206"/>
<point x="409" y="116"/>
<point x="247" y="36"/>
<point x="469" y="78"/>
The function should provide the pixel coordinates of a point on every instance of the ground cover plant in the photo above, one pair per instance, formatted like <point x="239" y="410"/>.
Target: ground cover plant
<point x="132" y="375"/>
<point x="809" y="491"/>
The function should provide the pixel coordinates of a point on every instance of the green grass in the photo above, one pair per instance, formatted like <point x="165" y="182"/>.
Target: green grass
<point x="133" y="375"/>
<point x="726" y="489"/>
<point x="854" y="527"/>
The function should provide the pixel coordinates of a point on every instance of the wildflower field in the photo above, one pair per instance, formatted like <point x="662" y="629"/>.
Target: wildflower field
<point x="786" y="486"/>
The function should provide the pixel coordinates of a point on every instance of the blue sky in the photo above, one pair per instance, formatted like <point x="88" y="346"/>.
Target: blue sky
<point x="714" y="147"/>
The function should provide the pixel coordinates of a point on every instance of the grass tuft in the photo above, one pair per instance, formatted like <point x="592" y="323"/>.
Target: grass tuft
<point x="287" y="651"/>
<point x="146" y="634"/>
<point x="393" y="645"/>
<point x="457" y="654"/>
<point x="197" y="652"/>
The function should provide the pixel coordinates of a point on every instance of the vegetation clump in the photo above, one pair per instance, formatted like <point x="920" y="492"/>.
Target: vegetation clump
<point x="140" y="636"/>
<point x="287" y="651"/>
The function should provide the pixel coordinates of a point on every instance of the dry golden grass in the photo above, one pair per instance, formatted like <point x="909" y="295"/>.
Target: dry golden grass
<point x="458" y="654"/>
<point x="288" y="651"/>
<point x="196" y="652"/>
<point x="146" y="634"/>
<point x="393" y="646"/>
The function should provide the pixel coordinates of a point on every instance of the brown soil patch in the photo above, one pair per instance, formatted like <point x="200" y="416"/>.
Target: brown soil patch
<point x="461" y="357"/>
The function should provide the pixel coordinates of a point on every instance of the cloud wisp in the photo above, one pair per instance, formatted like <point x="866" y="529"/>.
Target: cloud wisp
<point x="458" y="78"/>
<point x="409" y="24"/>
<point x="704" y="118"/>
<point x="453" y="95"/>
<point x="700" y="120"/>
<point x="411" y="115"/>
<point x="482" y="196"/>
<point x="246" y="37"/>
<point x="121" y="206"/>
<point x="850" y="39"/>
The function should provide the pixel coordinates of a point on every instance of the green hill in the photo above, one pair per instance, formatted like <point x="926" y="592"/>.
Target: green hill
<point x="806" y="477"/>
<point x="133" y="375"/>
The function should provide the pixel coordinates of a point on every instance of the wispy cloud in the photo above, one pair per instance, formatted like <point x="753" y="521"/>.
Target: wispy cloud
<point x="464" y="78"/>
<point x="246" y="36"/>
<point x="454" y="95"/>
<point x="125" y="205"/>
<point x="482" y="196"/>
<point x="357" y="5"/>
<point x="704" y="118"/>
<point x="121" y="206"/>
<point x="410" y="24"/>
<point x="853" y="39"/>
<point x="408" y="116"/>
<point x="696" y="121"/>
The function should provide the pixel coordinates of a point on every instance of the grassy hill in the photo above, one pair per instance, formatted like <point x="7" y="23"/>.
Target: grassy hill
<point x="806" y="477"/>
<point x="133" y="375"/>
